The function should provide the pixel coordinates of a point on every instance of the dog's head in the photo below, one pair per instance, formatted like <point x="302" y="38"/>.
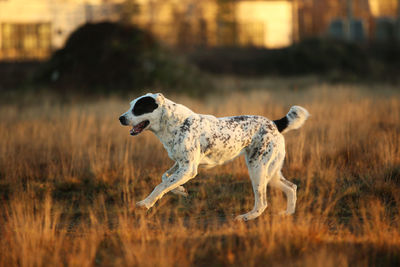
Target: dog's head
<point x="145" y="113"/>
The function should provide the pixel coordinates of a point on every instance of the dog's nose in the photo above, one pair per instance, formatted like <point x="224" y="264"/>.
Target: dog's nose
<point x="122" y="119"/>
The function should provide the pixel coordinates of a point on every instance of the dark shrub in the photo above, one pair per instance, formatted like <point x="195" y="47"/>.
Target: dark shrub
<point x="344" y="60"/>
<point x="113" y="57"/>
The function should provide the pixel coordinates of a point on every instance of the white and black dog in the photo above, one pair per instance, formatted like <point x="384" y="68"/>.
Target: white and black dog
<point x="194" y="140"/>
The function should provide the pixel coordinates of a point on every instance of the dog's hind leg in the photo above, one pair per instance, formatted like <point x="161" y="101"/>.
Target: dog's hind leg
<point x="180" y="190"/>
<point x="259" y="165"/>
<point x="262" y="162"/>
<point x="259" y="182"/>
<point x="289" y="189"/>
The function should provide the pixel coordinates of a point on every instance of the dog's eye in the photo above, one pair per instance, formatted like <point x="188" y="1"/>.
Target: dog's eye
<point x="144" y="105"/>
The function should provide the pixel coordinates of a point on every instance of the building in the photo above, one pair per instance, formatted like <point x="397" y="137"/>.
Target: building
<point x="31" y="29"/>
<point x="384" y="8"/>
<point x="187" y="23"/>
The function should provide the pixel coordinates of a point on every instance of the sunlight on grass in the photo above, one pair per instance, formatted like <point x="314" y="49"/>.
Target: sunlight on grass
<point x="70" y="176"/>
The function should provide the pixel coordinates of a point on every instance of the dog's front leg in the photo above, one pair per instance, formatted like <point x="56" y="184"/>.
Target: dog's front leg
<point x="178" y="178"/>
<point x="169" y="172"/>
<point x="180" y="190"/>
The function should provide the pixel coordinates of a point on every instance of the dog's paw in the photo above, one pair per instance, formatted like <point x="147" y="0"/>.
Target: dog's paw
<point x="241" y="218"/>
<point x="142" y="204"/>
<point x="180" y="190"/>
<point x="286" y="213"/>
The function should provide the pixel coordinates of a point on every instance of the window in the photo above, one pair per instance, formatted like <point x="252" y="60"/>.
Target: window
<point x="25" y="41"/>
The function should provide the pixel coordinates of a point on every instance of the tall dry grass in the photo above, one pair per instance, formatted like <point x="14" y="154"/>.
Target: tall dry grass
<point x="70" y="176"/>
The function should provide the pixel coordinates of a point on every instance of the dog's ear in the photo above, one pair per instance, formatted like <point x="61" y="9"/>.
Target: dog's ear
<point x="160" y="98"/>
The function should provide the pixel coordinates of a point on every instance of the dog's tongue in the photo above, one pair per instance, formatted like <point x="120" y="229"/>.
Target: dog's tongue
<point x="135" y="130"/>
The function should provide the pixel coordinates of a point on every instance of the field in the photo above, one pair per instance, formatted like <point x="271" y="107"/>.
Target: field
<point x="70" y="176"/>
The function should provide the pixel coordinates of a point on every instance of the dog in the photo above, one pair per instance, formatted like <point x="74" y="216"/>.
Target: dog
<point x="194" y="140"/>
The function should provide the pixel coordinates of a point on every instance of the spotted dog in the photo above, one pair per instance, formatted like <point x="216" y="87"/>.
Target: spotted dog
<point x="194" y="140"/>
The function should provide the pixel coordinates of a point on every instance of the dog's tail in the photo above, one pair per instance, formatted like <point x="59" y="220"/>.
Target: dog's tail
<point x="293" y="120"/>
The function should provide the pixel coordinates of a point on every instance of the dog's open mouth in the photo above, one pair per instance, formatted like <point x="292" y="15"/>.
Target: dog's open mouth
<point x="138" y="128"/>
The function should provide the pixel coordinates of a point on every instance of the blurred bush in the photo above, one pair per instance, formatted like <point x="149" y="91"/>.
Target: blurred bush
<point x="335" y="59"/>
<point x="16" y="74"/>
<point x="110" y="57"/>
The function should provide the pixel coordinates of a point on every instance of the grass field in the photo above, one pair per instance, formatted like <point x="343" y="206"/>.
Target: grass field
<point x="70" y="176"/>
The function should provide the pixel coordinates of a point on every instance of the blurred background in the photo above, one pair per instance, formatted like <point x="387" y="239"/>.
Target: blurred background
<point x="180" y="45"/>
<point x="70" y="174"/>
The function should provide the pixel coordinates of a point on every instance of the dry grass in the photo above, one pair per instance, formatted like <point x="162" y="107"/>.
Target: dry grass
<point x="70" y="176"/>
